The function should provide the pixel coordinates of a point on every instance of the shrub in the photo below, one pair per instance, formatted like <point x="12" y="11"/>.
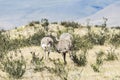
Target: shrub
<point x="37" y="62"/>
<point x="60" y="70"/>
<point x="70" y="30"/>
<point x="14" y="67"/>
<point x="2" y="45"/>
<point x="82" y="43"/>
<point x="35" y="39"/>
<point x="115" y="39"/>
<point x="116" y="27"/>
<point x="111" y="55"/>
<point x="81" y="59"/>
<point x="99" y="58"/>
<point x="6" y="44"/>
<point x="97" y="39"/>
<point x="45" y="23"/>
<point x="99" y="61"/>
<point x="33" y="23"/>
<point x="54" y="23"/>
<point x="95" y="67"/>
<point x="70" y="24"/>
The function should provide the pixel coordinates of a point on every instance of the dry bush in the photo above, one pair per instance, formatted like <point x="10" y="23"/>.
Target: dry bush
<point x="81" y="59"/>
<point x="82" y="43"/>
<point x="60" y="70"/>
<point x="37" y="62"/>
<point x="111" y="55"/>
<point x="115" y="39"/>
<point x="97" y="39"/>
<point x="96" y="67"/>
<point x="14" y="67"/>
<point x="100" y="58"/>
<point x="99" y="61"/>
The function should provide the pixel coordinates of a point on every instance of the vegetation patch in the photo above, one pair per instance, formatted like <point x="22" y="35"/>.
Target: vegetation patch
<point x="99" y="61"/>
<point x="14" y="67"/>
<point x="115" y="39"/>
<point x="81" y="59"/>
<point x="82" y="43"/>
<point x="97" y="39"/>
<point x="70" y="24"/>
<point x="111" y="55"/>
<point x="37" y="62"/>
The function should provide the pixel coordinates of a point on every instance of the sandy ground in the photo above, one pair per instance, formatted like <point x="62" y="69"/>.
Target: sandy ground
<point x="110" y="70"/>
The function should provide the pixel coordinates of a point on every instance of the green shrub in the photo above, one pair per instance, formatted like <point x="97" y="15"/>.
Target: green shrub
<point x="45" y="23"/>
<point x="99" y="61"/>
<point x="37" y="62"/>
<point x="7" y="45"/>
<point x="96" y="67"/>
<point x="99" y="58"/>
<point x="97" y="39"/>
<point x="70" y="30"/>
<point x="115" y="27"/>
<point x="111" y="55"/>
<point x="54" y="23"/>
<point x="33" y="23"/>
<point x="14" y="67"/>
<point x="115" y="39"/>
<point x="81" y="59"/>
<point x="2" y="45"/>
<point x="82" y="43"/>
<point x="35" y="39"/>
<point x="60" y="70"/>
<point x="70" y="24"/>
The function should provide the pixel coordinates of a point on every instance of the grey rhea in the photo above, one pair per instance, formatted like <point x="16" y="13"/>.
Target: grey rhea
<point x="65" y="45"/>
<point x="46" y="44"/>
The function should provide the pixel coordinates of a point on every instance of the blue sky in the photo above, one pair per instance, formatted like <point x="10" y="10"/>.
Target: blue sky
<point x="19" y="12"/>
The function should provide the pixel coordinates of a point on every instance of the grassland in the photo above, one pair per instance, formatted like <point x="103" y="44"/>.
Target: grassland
<point x="96" y="53"/>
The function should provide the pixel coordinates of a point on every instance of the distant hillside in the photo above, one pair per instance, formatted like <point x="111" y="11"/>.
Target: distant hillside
<point x="112" y="13"/>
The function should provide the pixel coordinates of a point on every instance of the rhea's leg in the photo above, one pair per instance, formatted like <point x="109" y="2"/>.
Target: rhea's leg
<point x="64" y="57"/>
<point x="45" y="55"/>
<point x="48" y="54"/>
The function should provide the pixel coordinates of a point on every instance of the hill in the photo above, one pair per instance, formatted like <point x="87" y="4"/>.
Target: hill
<point x="96" y="53"/>
<point x="110" y="12"/>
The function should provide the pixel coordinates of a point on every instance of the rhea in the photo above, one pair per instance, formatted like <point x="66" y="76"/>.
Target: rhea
<point x="65" y="45"/>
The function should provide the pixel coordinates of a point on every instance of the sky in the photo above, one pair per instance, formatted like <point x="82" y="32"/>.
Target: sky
<point x="15" y="13"/>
